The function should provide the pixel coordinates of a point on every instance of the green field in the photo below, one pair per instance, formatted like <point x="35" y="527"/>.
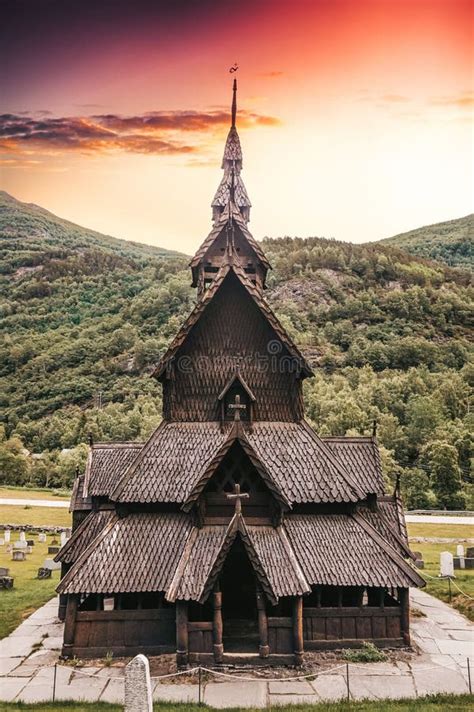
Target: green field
<point x="431" y="553"/>
<point x="39" y="493"/>
<point x="28" y="593"/>
<point x="36" y="516"/>
<point x="436" y="703"/>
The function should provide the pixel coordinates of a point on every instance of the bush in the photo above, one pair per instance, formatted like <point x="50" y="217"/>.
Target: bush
<point x="368" y="653"/>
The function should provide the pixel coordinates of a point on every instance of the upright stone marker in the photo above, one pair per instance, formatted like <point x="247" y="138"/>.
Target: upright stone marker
<point x="22" y="536"/>
<point x="7" y="536"/>
<point x="138" y="685"/>
<point x="2" y="541"/>
<point x="18" y="555"/>
<point x="41" y="538"/>
<point x="63" y="538"/>
<point x="446" y="564"/>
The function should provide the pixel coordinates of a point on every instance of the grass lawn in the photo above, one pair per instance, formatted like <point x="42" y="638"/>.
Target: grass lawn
<point x="431" y="552"/>
<point x="27" y="593"/>
<point x="39" y="493"/>
<point x="447" y="531"/>
<point x="437" y="703"/>
<point x="36" y="516"/>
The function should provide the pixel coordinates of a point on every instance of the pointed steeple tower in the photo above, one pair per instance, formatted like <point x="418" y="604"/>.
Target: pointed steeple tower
<point x="232" y="188"/>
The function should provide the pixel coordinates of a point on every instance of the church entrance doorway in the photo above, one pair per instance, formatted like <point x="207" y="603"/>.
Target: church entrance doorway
<point x="239" y="602"/>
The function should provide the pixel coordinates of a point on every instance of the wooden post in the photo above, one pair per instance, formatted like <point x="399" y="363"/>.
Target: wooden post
<point x="404" y="598"/>
<point x="217" y="627"/>
<point x="263" y="648"/>
<point x="70" y="624"/>
<point x="181" y="633"/>
<point x="298" y="629"/>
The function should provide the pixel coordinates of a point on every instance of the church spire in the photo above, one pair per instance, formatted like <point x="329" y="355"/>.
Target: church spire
<point x="232" y="188"/>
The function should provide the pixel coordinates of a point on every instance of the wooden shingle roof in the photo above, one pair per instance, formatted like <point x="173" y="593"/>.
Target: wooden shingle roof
<point x="360" y="456"/>
<point x="105" y="464"/>
<point x="79" y="502"/>
<point x="139" y="552"/>
<point x="296" y="465"/>
<point x="224" y="272"/>
<point x="84" y="535"/>
<point x="345" y="550"/>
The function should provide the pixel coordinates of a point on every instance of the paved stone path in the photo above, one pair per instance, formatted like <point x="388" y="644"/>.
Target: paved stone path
<point x="444" y="637"/>
<point x="438" y="519"/>
<point x="35" y="502"/>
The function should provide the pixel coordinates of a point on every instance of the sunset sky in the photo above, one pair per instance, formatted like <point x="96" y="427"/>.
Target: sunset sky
<point x="355" y="116"/>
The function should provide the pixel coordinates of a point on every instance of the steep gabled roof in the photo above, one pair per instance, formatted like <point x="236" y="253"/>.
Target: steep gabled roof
<point x="228" y="216"/>
<point x="225" y="271"/>
<point x="106" y="463"/>
<point x="268" y="549"/>
<point x="360" y="456"/>
<point x="236" y="434"/>
<point x="236" y="377"/>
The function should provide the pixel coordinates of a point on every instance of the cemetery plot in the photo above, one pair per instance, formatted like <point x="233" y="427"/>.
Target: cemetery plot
<point x="27" y="592"/>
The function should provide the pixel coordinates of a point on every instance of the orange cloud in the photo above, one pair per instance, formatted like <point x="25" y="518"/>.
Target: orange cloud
<point x="155" y="132"/>
<point x="465" y="100"/>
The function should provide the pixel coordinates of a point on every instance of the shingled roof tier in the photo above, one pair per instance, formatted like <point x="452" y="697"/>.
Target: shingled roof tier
<point x="360" y="456"/>
<point x="79" y="502"/>
<point x="178" y="456"/>
<point x="345" y="550"/>
<point x="386" y="527"/>
<point x="164" y="552"/>
<point x="105" y="464"/>
<point x="139" y="552"/>
<point x="84" y="535"/>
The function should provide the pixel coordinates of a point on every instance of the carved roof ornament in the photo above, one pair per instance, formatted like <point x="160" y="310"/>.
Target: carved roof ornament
<point x="232" y="188"/>
<point x="237" y="407"/>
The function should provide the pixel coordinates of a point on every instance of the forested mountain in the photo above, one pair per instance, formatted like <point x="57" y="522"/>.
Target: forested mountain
<point x="451" y="242"/>
<point x="85" y="317"/>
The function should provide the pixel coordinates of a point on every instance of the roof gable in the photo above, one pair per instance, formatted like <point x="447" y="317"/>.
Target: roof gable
<point x="229" y="271"/>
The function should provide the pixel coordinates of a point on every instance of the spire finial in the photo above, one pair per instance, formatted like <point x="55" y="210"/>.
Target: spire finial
<point x="234" y="103"/>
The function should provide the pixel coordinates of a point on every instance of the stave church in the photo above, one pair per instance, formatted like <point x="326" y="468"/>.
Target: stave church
<point x="236" y="533"/>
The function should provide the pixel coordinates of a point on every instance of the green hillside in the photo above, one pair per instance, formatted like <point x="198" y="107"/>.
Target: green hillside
<point x="451" y="242"/>
<point x="85" y="317"/>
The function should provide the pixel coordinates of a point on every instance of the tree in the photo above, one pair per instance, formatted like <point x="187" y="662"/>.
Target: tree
<point x="445" y="475"/>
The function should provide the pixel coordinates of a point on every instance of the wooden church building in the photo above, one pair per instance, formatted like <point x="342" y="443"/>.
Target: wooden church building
<point x="235" y="532"/>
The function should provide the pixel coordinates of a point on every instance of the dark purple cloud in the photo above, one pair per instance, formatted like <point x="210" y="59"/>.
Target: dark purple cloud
<point x="155" y="132"/>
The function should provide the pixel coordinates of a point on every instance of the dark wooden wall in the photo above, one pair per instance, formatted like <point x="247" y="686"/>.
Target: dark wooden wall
<point x="232" y="326"/>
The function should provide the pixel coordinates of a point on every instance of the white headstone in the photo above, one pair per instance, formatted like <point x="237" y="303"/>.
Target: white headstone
<point x="138" y="685"/>
<point x="7" y="535"/>
<point x="41" y="538"/>
<point x="109" y="603"/>
<point x="63" y="538"/>
<point x="20" y="544"/>
<point x="446" y="564"/>
<point x="22" y="536"/>
<point x="18" y="556"/>
<point x="459" y="550"/>
<point x="2" y="541"/>
<point x="51" y="564"/>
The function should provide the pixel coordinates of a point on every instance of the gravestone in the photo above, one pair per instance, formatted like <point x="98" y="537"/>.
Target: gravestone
<point x="51" y="564"/>
<point x="2" y="541"/>
<point x="29" y="549"/>
<point x="138" y="685"/>
<point x="9" y="548"/>
<point x="4" y="571"/>
<point x="109" y="603"/>
<point x="30" y="542"/>
<point x="20" y="544"/>
<point x="469" y="552"/>
<point x="53" y="549"/>
<point x="6" y="582"/>
<point x="22" y="536"/>
<point x="41" y="538"/>
<point x="419" y="563"/>
<point x="446" y="564"/>
<point x="459" y="560"/>
<point x="7" y="535"/>
<point x="44" y="573"/>
<point x="63" y="538"/>
<point x="18" y="555"/>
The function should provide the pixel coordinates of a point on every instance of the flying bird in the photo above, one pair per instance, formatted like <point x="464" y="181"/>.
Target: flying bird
<point x="234" y="68"/>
